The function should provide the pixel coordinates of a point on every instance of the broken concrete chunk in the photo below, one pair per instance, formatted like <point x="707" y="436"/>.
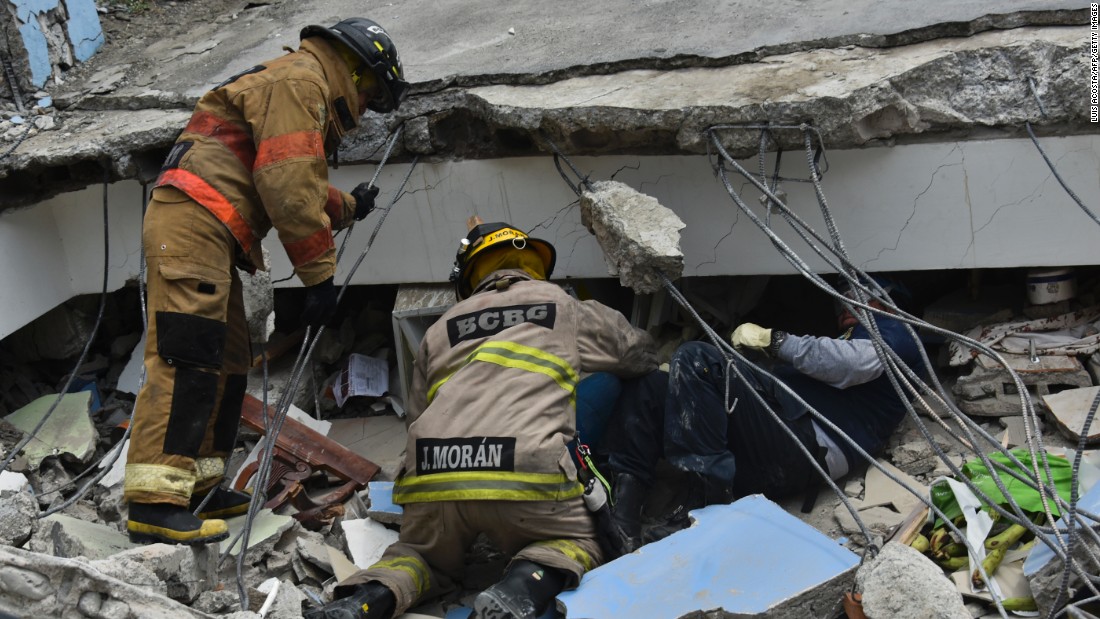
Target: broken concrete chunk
<point x="35" y="585"/>
<point x="267" y="529"/>
<point x="131" y="570"/>
<point x="915" y="458"/>
<point x="67" y="537"/>
<point x="878" y="520"/>
<point x="259" y="300"/>
<point x="287" y="603"/>
<point x="187" y="570"/>
<point x="882" y="490"/>
<point x="990" y="391"/>
<point x="18" y="517"/>
<point x="639" y="237"/>
<point x="68" y="430"/>
<point x="217" y="602"/>
<point x="901" y="582"/>
<point x="12" y="481"/>
<point x="1070" y="408"/>
<point x="748" y="559"/>
<point x="315" y="552"/>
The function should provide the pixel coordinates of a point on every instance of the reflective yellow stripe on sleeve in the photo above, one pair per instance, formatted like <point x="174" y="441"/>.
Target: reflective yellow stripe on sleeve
<point x="518" y="356"/>
<point x="486" y="486"/>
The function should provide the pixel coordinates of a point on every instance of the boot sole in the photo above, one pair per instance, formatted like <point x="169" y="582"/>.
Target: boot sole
<point x="152" y="535"/>
<point x="489" y="604"/>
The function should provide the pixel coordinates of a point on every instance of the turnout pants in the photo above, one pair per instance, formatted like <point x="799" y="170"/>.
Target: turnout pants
<point x="430" y="553"/>
<point x="197" y="354"/>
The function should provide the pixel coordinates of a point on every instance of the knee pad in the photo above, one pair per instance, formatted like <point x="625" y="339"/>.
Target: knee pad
<point x="194" y="346"/>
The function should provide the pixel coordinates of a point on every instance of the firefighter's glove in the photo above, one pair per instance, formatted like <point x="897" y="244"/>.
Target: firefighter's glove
<point x="364" y="196"/>
<point x="320" y="304"/>
<point x="748" y="335"/>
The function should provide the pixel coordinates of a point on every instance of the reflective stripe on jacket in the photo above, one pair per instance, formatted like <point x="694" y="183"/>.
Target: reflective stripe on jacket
<point x="492" y="403"/>
<point x="254" y="151"/>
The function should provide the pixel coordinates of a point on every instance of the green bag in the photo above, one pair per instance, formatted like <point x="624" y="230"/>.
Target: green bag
<point x="1025" y="496"/>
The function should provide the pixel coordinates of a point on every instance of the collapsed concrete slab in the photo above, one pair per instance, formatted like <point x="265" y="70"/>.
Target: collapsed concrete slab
<point x="853" y="95"/>
<point x="35" y="585"/>
<point x="639" y="237"/>
<point x="747" y="559"/>
<point x="187" y="571"/>
<point x="18" y="517"/>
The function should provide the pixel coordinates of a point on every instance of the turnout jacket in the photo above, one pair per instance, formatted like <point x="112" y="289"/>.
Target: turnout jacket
<point x="493" y="393"/>
<point x="254" y="155"/>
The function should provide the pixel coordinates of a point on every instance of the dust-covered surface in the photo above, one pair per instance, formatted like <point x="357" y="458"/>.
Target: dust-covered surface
<point x="304" y="559"/>
<point x="491" y="83"/>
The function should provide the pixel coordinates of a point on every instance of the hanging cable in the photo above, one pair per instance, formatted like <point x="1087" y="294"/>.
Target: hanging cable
<point x="108" y="460"/>
<point x="904" y="380"/>
<point x="1070" y="518"/>
<point x="1031" y="442"/>
<point x="894" y="312"/>
<point x="260" y="480"/>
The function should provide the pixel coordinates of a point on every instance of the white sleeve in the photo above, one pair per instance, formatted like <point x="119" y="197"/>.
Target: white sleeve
<point x="839" y="363"/>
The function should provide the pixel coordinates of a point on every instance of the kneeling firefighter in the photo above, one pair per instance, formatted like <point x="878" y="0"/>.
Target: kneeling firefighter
<point x="252" y="158"/>
<point x="491" y="409"/>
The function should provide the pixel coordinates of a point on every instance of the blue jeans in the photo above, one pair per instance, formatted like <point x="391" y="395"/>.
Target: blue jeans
<point x="596" y="397"/>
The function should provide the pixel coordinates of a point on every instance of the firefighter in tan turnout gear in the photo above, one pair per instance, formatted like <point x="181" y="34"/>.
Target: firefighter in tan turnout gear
<point x="492" y="407"/>
<point x="252" y="158"/>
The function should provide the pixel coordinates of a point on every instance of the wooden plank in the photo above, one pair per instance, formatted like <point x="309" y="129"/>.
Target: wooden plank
<point x="310" y="446"/>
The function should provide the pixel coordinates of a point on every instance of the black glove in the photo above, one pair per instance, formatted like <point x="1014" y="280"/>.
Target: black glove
<point x="364" y="196"/>
<point x="320" y="304"/>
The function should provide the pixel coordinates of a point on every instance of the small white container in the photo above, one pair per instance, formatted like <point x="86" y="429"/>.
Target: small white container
<point x="1050" y="285"/>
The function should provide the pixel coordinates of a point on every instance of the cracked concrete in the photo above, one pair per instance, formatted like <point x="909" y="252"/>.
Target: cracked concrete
<point x="480" y="92"/>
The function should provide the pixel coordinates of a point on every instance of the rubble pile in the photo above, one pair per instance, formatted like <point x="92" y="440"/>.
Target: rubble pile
<point x="57" y="555"/>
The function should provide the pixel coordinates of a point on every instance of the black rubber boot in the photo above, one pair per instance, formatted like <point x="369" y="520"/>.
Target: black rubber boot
<point x="525" y="592"/>
<point x="224" y="504"/>
<point x="629" y="494"/>
<point x="171" y="524"/>
<point x="370" y="601"/>
<point x="701" y="491"/>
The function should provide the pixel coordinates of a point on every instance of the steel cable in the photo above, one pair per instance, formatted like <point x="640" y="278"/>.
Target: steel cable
<point x="805" y="271"/>
<point x="1025" y="401"/>
<point x="261" y="478"/>
<point x="1035" y="460"/>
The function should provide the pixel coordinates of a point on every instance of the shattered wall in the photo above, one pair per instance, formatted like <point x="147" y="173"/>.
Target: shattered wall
<point x="44" y="38"/>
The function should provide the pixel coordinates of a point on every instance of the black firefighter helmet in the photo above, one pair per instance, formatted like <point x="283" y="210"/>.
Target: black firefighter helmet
<point x="376" y="50"/>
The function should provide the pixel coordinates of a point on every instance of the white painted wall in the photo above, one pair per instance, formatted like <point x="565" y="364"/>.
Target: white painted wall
<point x="985" y="204"/>
<point x="33" y="273"/>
